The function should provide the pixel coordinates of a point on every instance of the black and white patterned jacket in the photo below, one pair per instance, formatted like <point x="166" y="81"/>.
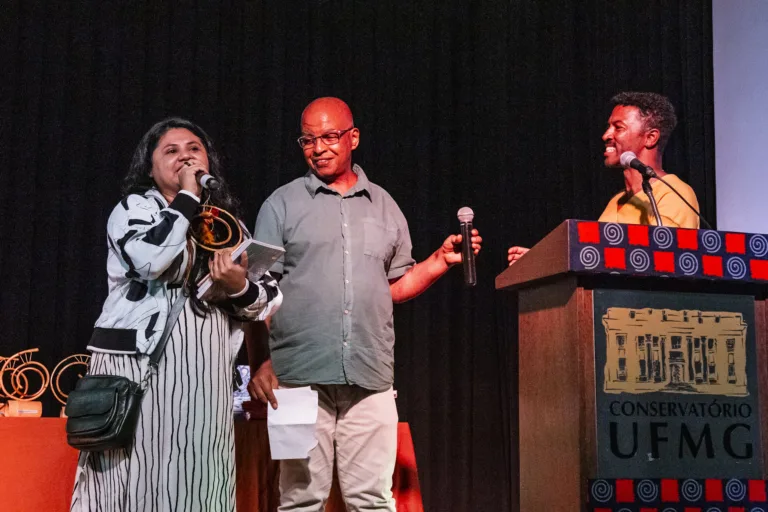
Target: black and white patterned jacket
<point x="148" y="254"/>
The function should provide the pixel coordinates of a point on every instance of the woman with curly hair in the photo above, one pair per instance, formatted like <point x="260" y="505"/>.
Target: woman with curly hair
<point x="182" y="457"/>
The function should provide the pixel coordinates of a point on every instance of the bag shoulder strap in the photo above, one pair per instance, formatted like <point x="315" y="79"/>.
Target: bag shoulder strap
<point x="173" y="315"/>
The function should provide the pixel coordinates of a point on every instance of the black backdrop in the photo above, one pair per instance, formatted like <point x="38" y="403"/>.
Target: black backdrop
<point x="498" y="105"/>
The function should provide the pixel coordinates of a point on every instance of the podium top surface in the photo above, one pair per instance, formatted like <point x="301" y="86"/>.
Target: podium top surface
<point x="587" y="247"/>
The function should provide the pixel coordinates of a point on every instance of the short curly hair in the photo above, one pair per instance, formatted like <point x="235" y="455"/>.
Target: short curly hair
<point x="656" y="110"/>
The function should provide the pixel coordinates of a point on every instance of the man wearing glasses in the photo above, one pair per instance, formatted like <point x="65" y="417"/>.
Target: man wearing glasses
<point x="347" y="259"/>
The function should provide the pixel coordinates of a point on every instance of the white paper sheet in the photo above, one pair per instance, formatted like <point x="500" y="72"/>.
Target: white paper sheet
<point x="292" y="425"/>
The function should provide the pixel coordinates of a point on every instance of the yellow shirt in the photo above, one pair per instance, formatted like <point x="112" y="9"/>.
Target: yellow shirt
<point x="637" y="209"/>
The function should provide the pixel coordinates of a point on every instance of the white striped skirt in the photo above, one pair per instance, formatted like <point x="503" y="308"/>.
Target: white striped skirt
<point x="183" y="457"/>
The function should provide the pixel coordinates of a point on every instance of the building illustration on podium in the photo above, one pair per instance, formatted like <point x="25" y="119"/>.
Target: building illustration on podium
<point x="664" y="350"/>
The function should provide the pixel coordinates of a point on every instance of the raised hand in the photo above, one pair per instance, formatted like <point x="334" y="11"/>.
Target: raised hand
<point x="451" y="248"/>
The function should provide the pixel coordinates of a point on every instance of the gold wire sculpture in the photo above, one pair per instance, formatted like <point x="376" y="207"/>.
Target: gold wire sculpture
<point x="65" y="364"/>
<point x="2" y="404"/>
<point x="212" y="229"/>
<point x="17" y="366"/>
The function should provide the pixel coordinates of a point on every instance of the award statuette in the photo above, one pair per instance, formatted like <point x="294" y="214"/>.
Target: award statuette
<point x="68" y="363"/>
<point x="212" y="229"/>
<point x="22" y="380"/>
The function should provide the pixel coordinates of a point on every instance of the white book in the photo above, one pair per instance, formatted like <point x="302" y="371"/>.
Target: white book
<point x="261" y="257"/>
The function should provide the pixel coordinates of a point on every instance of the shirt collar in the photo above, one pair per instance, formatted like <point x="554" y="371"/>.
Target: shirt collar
<point x="363" y="186"/>
<point x="656" y="184"/>
<point x="153" y="192"/>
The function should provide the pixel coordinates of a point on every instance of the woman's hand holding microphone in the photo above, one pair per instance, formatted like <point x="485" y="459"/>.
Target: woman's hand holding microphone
<point x="188" y="177"/>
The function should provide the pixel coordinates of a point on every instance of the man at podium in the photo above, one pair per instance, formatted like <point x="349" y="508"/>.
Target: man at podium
<point x="641" y="122"/>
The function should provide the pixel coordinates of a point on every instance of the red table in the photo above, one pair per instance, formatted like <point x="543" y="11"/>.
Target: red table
<point x="37" y="468"/>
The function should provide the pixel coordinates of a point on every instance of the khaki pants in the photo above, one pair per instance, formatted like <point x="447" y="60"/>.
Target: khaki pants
<point x="359" y="428"/>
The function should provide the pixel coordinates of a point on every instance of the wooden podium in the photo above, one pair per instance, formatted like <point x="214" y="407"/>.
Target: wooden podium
<point x="642" y="368"/>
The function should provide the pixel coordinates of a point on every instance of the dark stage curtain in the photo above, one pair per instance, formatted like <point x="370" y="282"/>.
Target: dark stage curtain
<point x="499" y="105"/>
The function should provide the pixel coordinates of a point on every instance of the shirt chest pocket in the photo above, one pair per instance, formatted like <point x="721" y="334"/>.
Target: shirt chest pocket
<point x="378" y="239"/>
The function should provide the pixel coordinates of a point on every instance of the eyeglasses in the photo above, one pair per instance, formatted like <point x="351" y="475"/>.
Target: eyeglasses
<point x="329" y="138"/>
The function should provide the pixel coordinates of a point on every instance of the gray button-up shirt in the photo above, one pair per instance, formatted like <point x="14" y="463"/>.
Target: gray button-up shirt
<point x="335" y="325"/>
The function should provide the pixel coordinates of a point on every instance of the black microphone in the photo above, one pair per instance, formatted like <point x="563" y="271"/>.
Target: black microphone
<point x="629" y="159"/>
<point x="465" y="216"/>
<point x="207" y="181"/>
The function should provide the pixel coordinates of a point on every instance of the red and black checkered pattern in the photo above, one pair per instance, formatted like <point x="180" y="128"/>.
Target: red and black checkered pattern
<point x="597" y="247"/>
<point x="671" y="495"/>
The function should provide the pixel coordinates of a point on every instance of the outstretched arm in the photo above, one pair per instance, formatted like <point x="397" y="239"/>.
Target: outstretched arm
<point x="422" y="275"/>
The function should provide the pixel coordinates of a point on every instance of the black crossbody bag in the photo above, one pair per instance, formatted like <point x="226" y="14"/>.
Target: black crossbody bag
<point x="103" y="410"/>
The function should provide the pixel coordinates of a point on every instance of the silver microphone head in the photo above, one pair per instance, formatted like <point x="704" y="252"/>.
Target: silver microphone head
<point x="209" y="182"/>
<point x="626" y="159"/>
<point x="465" y="214"/>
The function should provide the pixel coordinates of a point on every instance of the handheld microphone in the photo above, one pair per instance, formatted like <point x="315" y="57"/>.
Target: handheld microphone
<point x="204" y="179"/>
<point x="207" y="181"/>
<point x="629" y="159"/>
<point x="465" y="216"/>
